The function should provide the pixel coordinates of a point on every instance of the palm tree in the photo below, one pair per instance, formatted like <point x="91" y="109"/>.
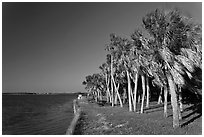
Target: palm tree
<point x="140" y="61"/>
<point x="148" y="93"/>
<point x="96" y="85"/>
<point x="134" y="73"/>
<point x="172" y="33"/>
<point x="115" y="49"/>
<point x="105" y="71"/>
<point x="119" y="80"/>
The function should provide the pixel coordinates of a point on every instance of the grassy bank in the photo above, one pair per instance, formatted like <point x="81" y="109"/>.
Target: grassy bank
<point x="107" y="120"/>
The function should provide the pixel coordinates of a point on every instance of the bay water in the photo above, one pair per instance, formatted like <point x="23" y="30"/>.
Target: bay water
<point x="37" y="114"/>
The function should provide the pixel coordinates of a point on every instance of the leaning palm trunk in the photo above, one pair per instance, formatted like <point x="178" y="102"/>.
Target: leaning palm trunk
<point x="160" y="96"/>
<point x="112" y="92"/>
<point x="116" y="99"/>
<point x="120" y="100"/>
<point x="135" y="92"/>
<point x="179" y="113"/>
<point x="147" y="103"/>
<point x="108" y="96"/>
<point x="95" y="96"/>
<point x="138" y="100"/>
<point x="124" y="95"/>
<point x="174" y="102"/>
<point x="129" y="92"/>
<point x="180" y="99"/>
<point x="143" y="93"/>
<point x="100" y="95"/>
<point x="107" y="89"/>
<point x="117" y="93"/>
<point x="165" y="101"/>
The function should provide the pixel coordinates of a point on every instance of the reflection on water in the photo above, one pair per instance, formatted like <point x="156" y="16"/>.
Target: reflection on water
<point x="36" y="114"/>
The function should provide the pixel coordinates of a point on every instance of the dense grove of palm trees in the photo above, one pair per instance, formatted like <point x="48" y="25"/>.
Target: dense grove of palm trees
<point x="166" y="55"/>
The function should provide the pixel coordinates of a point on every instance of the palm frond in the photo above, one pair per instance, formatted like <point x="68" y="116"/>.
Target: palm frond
<point x="166" y="54"/>
<point x="189" y="74"/>
<point x="187" y="63"/>
<point x="177" y="77"/>
<point x="178" y="67"/>
<point x="193" y="56"/>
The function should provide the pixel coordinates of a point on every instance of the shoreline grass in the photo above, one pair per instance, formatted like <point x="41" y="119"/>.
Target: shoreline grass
<point x="107" y="120"/>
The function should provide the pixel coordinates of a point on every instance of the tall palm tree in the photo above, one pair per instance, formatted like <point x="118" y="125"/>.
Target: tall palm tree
<point x="140" y="63"/>
<point x="119" y="76"/>
<point x="116" y="51"/>
<point x="172" y="32"/>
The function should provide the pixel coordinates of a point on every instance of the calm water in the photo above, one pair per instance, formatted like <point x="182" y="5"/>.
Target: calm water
<point x="36" y="114"/>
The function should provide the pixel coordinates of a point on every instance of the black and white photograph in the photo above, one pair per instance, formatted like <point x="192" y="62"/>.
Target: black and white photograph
<point x="101" y="68"/>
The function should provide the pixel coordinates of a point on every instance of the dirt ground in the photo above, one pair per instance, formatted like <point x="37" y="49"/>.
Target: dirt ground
<point x="106" y="120"/>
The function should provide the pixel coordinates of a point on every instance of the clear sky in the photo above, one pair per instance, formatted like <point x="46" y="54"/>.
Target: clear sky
<point x="53" y="46"/>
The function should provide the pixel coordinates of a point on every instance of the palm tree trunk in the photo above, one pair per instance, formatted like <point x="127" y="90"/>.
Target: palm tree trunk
<point x="180" y="99"/>
<point x="120" y="100"/>
<point x="160" y="96"/>
<point x="179" y="113"/>
<point x="129" y="92"/>
<point x="116" y="99"/>
<point x="107" y="89"/>
<point x="100" y="95"/>
<point x="165" y="101"/>
<point x="96" y="99"/>
<point x="143" y="94"/>
<point x="109" y="92"/>
<point x="135" y="92"/>
<point x="117" y="93"/>
<point x="112" y="92"/>
<point x="108" y="95"/>
<point x="124" y="95"/>
<point x="147" y="103"/>
<point x="174" y="102"/>
<point x="179" y="102"/>
<point x="138" y="100"/>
